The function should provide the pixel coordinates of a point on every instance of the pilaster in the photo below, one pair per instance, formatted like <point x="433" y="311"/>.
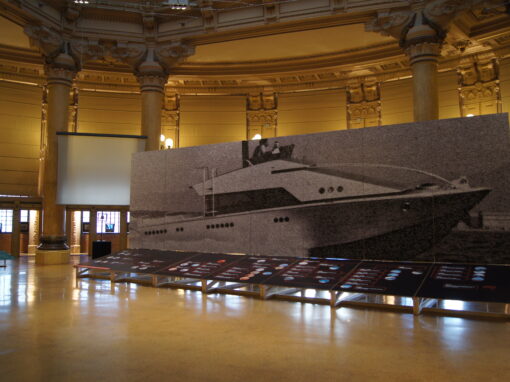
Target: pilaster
<point x="479" y="88"/>
<point x="261" y="115"/>
<point x="363" y="103"/>
<point x="170" y="120"/>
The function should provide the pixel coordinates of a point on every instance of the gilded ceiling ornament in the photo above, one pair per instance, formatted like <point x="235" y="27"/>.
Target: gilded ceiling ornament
<point x="172" y="53"/>
<point x="108" y="50"/>
<point x="49" y="42"/>
<point x="389" y="23"/>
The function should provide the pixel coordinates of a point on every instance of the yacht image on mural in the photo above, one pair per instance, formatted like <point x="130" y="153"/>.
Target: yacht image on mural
<point x="275" y="205"/>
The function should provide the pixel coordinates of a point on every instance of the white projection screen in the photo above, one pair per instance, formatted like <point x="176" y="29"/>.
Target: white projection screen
<point x="95" y="169"/>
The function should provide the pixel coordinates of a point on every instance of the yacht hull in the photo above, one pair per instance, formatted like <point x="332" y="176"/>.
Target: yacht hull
<point x="370" y="227"/>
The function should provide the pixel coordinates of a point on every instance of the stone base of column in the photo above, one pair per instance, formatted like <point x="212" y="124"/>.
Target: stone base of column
<point x="32" y="248"/>
<point x="75" y="249"/>
<point x="52" y="257"/>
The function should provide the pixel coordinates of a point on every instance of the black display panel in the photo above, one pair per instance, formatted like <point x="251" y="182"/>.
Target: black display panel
<point x="391" y="278"/>
<point x="254" y="269"/>
<point x="485" y="283"/>
<point x="140" y="260"/>
<point x="316" y="273"/>
<point x="200" y="266"/>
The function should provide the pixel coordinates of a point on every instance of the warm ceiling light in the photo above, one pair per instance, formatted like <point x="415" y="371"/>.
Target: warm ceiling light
<point x="470" y="115"/>
<point x="162" y="138"/>
<point x="169" y="143"/>
<point x="256" y="136"/>
<point x="179" y="5"/>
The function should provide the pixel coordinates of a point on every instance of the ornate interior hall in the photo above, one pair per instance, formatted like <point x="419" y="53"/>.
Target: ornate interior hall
<point x="185" y="73"/>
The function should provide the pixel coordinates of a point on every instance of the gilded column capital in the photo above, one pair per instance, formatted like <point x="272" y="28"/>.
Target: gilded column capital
<point x="423" y="51"/>
<point x="152" y="82"/>
<point x="421" y="21"/>
<point x="151" y="75"/>
<point x="61" y="70"/>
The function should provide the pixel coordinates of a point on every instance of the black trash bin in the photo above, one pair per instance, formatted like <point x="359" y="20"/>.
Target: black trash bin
<point x="101" y="248"/>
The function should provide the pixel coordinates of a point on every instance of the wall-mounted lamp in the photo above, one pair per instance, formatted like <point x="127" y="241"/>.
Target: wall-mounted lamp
<point x="256" y="136"/>
<point x="169" y="143"/>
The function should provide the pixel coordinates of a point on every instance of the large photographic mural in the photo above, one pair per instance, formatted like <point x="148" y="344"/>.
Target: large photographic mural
<point x="411" y="191"/>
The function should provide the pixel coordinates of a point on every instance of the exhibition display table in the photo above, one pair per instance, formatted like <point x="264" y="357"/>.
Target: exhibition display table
<point x="445" y="288"/>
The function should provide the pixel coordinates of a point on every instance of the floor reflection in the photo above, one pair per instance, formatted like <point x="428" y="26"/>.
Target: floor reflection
<point x="94" y="329"/>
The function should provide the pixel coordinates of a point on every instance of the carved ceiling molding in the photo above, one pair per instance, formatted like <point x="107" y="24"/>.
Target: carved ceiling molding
<point x="108" y="51"/>
<point x="122" y="82"/>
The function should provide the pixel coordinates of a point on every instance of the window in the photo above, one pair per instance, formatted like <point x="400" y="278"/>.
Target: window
<point x="6" y="221"/>
<point x="108" y="221"/>
<point x="24" y="216"/>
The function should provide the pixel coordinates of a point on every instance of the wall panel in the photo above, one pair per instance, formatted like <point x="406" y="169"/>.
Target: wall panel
<point x="448" y="92"/>
<point x="20" y="135"/>
<point x="109" y="113"/>
<point x="311" y="112"/>
<point x="212" y="119"/>
<point x="397" y="102"/>
<point x="504" y="83"/>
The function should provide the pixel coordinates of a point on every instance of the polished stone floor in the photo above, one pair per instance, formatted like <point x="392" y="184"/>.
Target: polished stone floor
<point x="52" y="331"/>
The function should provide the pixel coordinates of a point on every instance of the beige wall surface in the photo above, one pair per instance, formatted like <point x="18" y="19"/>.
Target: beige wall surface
<point x="109" y="113"/>
<point x="20" y="135"/>
<point x="311" y="112"/>
<point x="212" y="119"/>
<point x="397" y="102"/>
<point x="504" y="83"/>
<point x="447" y="84"/>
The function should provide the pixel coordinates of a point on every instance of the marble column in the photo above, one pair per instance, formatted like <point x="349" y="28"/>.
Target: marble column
<point x="421" y="29"/>
<point x="152" y="79"/>
<point x="53" y="248"/>
<point x="123" y="242"/>
<point x="92" y="229"/>
<point x="423" y="58"/>
<point x="33" y="231"/>
<point x="15" y="236"/>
